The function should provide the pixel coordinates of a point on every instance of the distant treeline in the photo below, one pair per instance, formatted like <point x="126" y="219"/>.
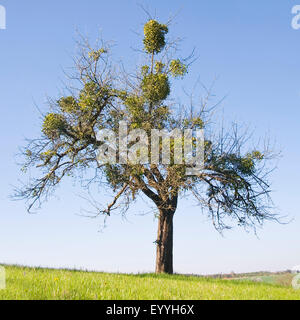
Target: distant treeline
<point x="242" y="275"/>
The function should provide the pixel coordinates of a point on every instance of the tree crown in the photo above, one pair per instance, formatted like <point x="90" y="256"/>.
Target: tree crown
<point x="233" y="184"/>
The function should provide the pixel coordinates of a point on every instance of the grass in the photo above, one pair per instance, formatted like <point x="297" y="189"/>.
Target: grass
<point x="284" y="279"/>
<point x="24" y="283"/>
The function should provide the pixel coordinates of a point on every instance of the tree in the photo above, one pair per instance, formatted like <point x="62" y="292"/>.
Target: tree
<point x="232" y="184"/>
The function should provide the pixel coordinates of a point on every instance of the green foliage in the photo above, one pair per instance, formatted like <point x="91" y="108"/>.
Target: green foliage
<point x="68" y="105"/>
<point x="114" y="175"/>
<point x="140" y="118"/>
<point x="196" y="122"/>
<point x="243" y="165"/>
<point x="257" y="155"/>
<point x="154" y="40"/>
<point x="92" y="97"/>
<point x="135" y="106"/>
<point x="246" y="165"/>
<point x="121" y="94"/>
<point x="156" y="87"/>
<point x="54" y="124"/>
<point x="145" y="70"/>
<point x="159" y="66"/>
<point x="96" y="54"/>
<point x="47" y="155"/>
<point x="162" y="113"/>
<point x="177" y="68"/>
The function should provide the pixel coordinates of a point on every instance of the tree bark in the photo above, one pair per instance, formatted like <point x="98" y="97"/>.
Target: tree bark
<point x="164" y="251"/>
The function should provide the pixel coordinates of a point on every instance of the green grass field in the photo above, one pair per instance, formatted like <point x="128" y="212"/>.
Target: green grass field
<point x="43" y="284"/>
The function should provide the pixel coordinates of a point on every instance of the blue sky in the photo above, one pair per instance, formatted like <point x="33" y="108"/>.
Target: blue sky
<point x="249" y="45"/>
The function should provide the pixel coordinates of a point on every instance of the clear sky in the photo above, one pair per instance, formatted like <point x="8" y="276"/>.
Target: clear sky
<point x="249" y="45"/>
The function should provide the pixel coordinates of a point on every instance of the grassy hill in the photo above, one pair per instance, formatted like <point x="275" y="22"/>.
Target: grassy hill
<point x="44" y="284"/>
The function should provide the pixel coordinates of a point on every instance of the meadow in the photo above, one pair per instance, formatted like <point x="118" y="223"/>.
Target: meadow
<point x="24" y="283"/>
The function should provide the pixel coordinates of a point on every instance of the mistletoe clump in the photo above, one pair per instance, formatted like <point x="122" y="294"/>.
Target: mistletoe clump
<point x="95" y="55"/>
<point x="54" y="125"/>
<point x="177" y="68"/>
<point x="154" y="40"/>
<point x="68" y="105"/>
<point x="93" y="97"/>
<point x="156" y="87"/>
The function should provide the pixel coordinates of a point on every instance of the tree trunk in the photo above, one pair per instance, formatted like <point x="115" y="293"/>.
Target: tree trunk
<point x="164" y="251"/>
